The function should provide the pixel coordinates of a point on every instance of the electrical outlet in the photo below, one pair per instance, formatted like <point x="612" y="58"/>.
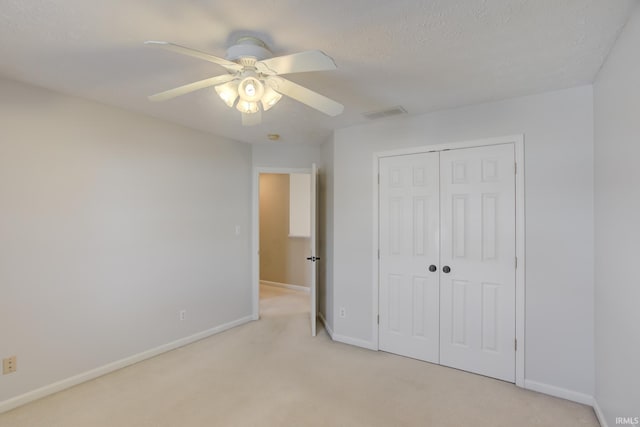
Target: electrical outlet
<point x="343" y="312"/>
<point x="182" y="314"/>
<point x="9" y="365"/>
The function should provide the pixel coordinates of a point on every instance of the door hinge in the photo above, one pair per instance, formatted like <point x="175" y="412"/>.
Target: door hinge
<point x="378" y="319"/>
<point x="378" y="253"/>
<point x="515" y="168"/>
<point x="516" y="262"/>
<point x="515" y="344"/>
<point x="378" y="179"/>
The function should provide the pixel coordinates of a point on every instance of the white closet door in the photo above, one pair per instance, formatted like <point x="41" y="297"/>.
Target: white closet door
<point x="409" y="244"/>
<point x="477" y="309"/>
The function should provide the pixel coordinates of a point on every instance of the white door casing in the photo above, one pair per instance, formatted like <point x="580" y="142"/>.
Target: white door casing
<point x="255" y="231"/>
<point x="409" y="244"/>
<point x="477" y="296"/>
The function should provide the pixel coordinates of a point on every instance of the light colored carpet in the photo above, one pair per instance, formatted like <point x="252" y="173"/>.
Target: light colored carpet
<point x="272" y="373"/>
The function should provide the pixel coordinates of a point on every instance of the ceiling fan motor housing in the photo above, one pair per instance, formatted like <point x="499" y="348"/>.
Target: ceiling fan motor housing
<point x="248" y="50"/>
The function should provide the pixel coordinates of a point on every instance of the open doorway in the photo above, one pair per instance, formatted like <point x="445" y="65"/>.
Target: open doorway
<point x="284" y="240"/>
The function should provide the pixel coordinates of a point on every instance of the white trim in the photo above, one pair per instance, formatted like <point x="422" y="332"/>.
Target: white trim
<point x="522" y="261"/>
<point x="298" y="288"/>
<point x="518" y="142"/>
<point x="326" y="325"/>
<point x="355" y="341"/>
<point x="375" y="309"/>
<point x="255" y="230"/>
<point x="41" y="392"/>
<point x="560" y="392"/>
<point x="450" y="146"/>
<point x="599" y="414"/>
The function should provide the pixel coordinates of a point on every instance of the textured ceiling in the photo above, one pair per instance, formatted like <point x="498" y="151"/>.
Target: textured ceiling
<point x="422" y="54"/>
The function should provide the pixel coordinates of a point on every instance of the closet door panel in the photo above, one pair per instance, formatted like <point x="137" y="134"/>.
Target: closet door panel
<point x="409" y="243"/>
<point x="477" y="295"/>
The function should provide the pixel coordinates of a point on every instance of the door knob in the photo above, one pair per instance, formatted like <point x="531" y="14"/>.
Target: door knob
<point x="446" y="269"/>
<point x="432" y="268"/>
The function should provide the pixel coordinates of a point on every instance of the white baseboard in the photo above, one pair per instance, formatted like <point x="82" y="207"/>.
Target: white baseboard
<point x="41" y="392"/>
<point x="326" y="325"/>
<point x="599" y="414"/>
<point x="354" y="341"/>
<point x="286" y="286"/>
<point x="562" y="393"/>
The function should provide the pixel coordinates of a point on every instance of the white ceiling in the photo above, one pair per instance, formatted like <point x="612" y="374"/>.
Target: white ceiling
<point x="425" y="55"/>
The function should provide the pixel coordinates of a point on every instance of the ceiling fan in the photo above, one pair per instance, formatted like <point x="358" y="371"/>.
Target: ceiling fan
<point x="253" y="83"/>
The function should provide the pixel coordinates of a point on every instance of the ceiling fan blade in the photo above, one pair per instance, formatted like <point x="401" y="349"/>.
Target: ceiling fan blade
<point x="306" y="96"/>
<point x="252" y="119"/>
<point x="231" y="66"/>
<point x="182" y="90"/>
<point x="312" y="60"/>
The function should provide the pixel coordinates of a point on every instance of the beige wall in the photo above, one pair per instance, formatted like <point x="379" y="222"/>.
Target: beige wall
<point x="282" y="258"/>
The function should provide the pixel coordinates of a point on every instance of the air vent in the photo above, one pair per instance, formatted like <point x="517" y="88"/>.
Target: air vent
<point x="393" y="111"/>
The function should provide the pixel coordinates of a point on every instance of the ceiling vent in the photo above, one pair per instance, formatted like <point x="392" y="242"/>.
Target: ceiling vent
<point x="393" y="111"/>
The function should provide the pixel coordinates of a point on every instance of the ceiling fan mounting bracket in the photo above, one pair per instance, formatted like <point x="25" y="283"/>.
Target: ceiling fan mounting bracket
<point x="248" y="48"/>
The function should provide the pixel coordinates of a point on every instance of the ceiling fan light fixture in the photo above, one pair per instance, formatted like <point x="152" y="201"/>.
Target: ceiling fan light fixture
<point x="251" y="89"/>
<point x="228" y="92"/>
<point x="247" y="107"/>
<point x="270" y="98"/>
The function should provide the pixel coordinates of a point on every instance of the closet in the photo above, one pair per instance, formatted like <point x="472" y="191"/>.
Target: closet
<point x="447" y="261"/>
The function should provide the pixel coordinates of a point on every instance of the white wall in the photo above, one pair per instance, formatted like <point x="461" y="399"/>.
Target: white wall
<point x="558" y="129"/>
<point x="110" y="223"/>
<point x="283" y="155"/>
<point x="617" y="209"/>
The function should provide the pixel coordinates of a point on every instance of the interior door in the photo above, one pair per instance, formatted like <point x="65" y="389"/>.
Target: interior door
<point x="313" y="241"/>
<point x="477" y="281"/>
<point x="409" y="243"/>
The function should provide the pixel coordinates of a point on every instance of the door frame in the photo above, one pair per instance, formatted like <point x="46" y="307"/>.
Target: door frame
<point x="255" y="230"/>
<point x="518" y="142"/>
